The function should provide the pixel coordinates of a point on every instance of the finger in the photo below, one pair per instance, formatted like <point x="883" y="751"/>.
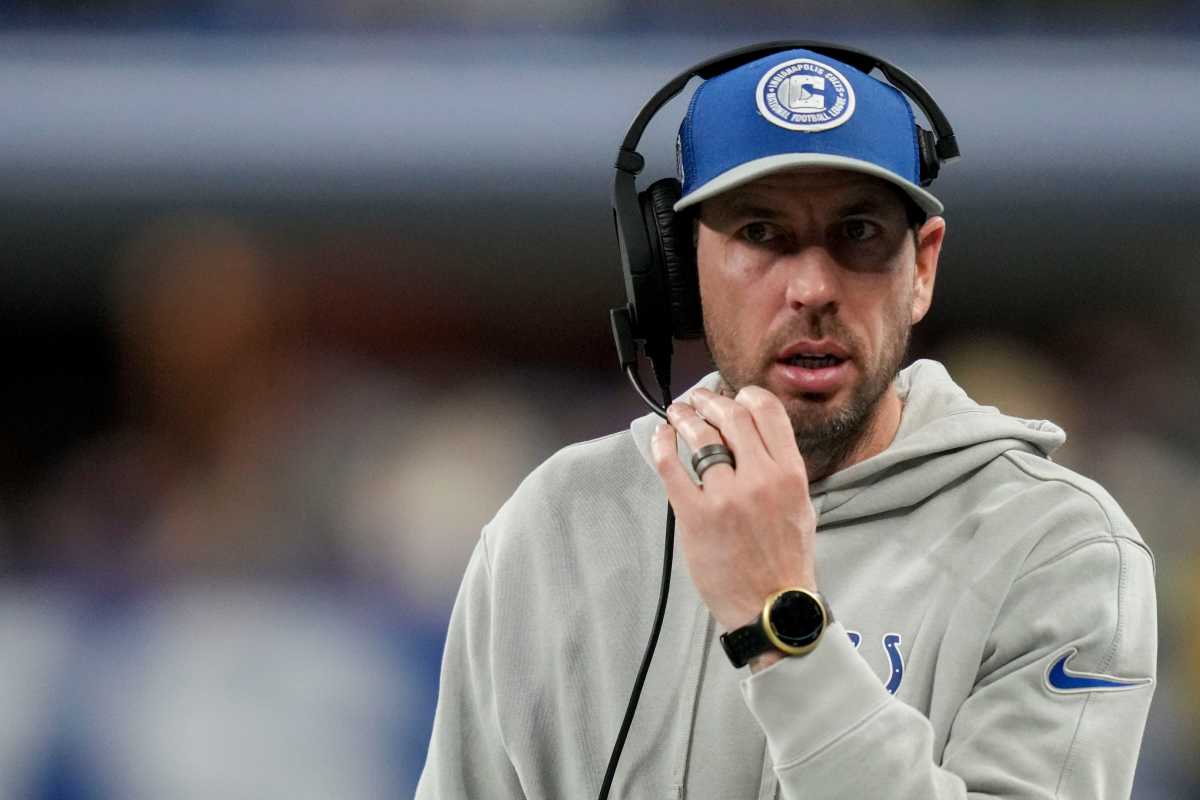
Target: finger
<point x="665" y="450"/>
<point x="773" y="425"/>
<point x="697" y="433"/>
<point x="735" y="425"/>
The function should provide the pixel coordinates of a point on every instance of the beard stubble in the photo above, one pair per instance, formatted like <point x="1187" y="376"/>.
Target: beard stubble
<point x="827" y="436"/>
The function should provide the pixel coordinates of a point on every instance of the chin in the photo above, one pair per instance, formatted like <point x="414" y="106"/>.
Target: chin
<point x="812" y="407"/>
<point x="822" y="414"/>
<point x="826" y="402"/>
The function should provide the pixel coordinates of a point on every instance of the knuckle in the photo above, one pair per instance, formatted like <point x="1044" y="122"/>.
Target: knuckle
<point x="722" y="506"/>
<point x="794" y="481"/>
<point x="662" y="457"/>
<point x="798" y="471"/>
<point x="755" y="396"/>
<point x="759" y="491"/>
<point x="739" y="413"/>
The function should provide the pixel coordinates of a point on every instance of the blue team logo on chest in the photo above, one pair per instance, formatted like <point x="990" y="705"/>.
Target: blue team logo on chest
<point x="805" y="95"/>
<point x="891" y="645"/>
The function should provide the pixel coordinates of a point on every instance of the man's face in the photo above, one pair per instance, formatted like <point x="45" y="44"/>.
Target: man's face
<point x="811" y="281"/>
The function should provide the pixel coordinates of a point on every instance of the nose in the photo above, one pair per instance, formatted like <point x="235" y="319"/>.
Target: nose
<point x="812" y="280"/>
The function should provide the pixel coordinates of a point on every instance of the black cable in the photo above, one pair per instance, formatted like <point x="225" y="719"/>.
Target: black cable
<point x="635" y="379"/>
<point x="664" y="589"/>
<point x="636" y="694"/>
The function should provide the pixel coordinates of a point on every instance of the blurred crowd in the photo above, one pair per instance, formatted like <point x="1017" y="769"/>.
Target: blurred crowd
<point x="241" y="581"/>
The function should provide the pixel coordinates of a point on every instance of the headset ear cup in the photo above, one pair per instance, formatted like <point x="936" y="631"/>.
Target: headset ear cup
<point x="671" y="239"/>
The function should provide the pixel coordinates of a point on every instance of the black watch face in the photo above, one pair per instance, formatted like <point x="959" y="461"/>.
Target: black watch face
<point x="796" y="618"/>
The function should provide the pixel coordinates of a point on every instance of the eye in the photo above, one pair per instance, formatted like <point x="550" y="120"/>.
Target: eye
<point x="859" y="230"/>
<point x="760" y="232"/>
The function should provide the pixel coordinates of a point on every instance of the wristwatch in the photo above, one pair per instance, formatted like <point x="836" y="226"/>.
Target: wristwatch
<point x="792" y="621"/>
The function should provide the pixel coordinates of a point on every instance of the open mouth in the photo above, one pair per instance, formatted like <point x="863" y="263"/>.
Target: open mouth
<point x="815" y="374"/>
<point x="813" y="361"/>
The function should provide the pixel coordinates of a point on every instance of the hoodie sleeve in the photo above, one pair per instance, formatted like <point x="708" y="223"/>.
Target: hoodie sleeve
<point x="467" y="755"/>
<point x="1032" y="726"/>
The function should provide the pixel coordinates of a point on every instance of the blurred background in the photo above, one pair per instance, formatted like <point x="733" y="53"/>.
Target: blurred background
<point x="293" y="295"/>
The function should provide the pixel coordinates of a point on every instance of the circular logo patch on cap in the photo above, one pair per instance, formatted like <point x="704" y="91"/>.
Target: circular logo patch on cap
<point x="805" y="95"/>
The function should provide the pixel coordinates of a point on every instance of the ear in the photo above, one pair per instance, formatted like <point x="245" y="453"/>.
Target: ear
<point x="929" y="248"/>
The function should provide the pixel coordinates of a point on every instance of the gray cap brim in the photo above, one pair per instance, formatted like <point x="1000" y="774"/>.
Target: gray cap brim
<point x="752" y="170"/>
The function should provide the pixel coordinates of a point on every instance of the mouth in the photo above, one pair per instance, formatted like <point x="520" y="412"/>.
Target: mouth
<point x="814" y="370"/>
<point x="812" y="361"/>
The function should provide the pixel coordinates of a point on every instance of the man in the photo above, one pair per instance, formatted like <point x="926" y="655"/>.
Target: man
<point x="917" y="603"/>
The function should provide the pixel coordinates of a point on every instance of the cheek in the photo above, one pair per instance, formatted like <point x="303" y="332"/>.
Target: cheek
<point x="723" y="282"/>
<point x="885" y="317"/>
<point x="720" y="314"/>
<point x="899" y="319"/>
<point x="738" y="310"/>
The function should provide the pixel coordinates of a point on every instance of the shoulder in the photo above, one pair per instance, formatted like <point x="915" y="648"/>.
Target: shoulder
<point x="1061" y="509"/>
<point x="597" y="466"/>
<point x="587" y="486"/>
<point x="1077" y="574"/>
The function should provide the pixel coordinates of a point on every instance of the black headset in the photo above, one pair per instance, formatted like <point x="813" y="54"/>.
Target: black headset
<point x="659" y="262"/>
<point x="657" y="255"/>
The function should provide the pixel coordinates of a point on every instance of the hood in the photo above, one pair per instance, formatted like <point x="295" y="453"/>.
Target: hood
<point x="938" y="419"/>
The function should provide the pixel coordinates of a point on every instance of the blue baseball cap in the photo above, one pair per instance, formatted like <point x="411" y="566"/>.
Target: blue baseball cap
<point x="796" y="109"/>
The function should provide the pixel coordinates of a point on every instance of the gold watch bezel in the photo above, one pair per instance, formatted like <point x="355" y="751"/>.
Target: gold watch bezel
<point x="778" y="643"/>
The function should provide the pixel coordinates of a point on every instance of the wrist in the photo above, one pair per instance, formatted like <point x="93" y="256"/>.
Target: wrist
<point x="751" y="603"/>
<point x="791" y="623"/>
<point x="764" y="660"/>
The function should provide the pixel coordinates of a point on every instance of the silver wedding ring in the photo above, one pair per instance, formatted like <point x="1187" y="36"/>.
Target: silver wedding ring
<point x="709" y="455"/>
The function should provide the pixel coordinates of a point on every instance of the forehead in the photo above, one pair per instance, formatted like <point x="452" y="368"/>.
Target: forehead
<point x="832" y="190"/>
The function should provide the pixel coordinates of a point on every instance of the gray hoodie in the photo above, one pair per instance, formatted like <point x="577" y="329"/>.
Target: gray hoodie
<point x="995" y="632"/>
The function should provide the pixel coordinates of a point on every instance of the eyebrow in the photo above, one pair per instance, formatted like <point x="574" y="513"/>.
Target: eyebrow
<point x="867" y="205"/>
<point x="744" y="206"/>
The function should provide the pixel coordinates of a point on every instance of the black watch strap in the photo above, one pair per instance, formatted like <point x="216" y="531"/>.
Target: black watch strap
<point x="745" y="643"/>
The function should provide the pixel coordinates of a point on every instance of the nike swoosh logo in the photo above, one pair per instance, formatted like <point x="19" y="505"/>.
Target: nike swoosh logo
<point x="1060" y="679"/>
